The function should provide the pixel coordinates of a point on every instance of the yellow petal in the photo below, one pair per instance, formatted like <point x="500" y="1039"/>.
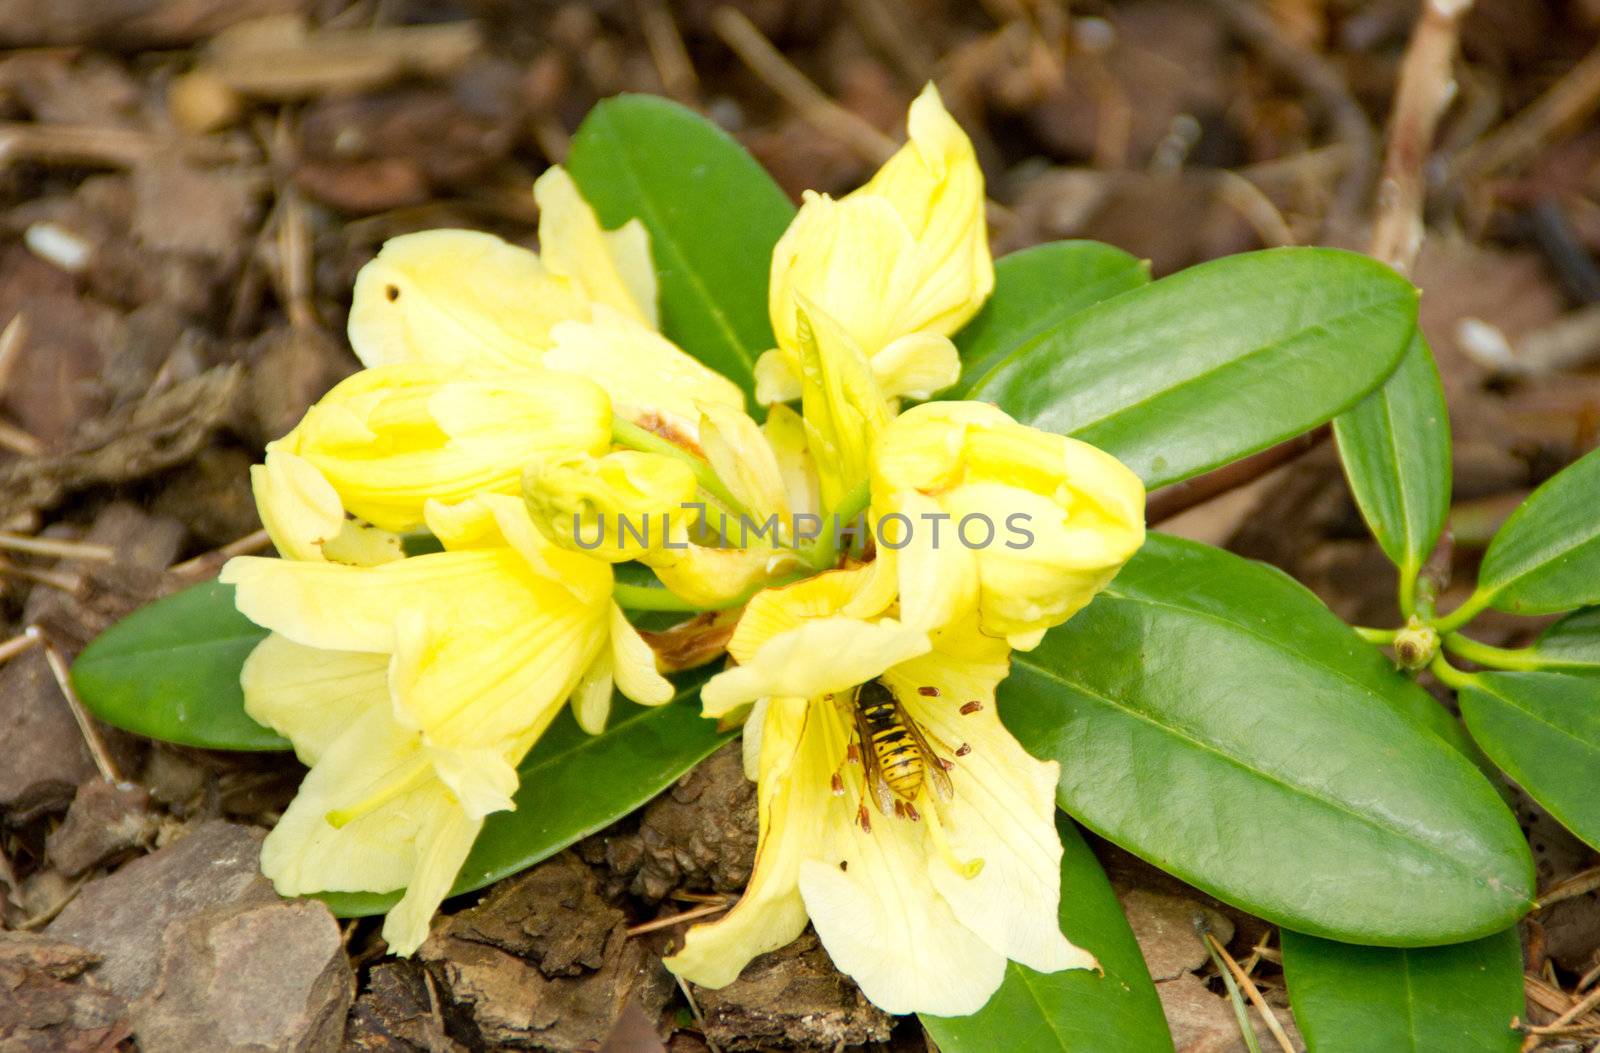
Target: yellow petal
<point x="743" y="459"/>
<point x="354" y="608"/>
<point x="1003" y="807"/>
<point x="591" y="699"/>
<point x="786" y="435"/>
<point x="613" y="269"/>
<point x="622" y="506"/>
<point x="440" y="856"/>
<point x="310" y="696"/>
<point x="635" y="668"/>
<point x="647" y="376"/>
<point x="377" y="851"/>
<point x="298" y="506"/>
<point x="480" y="779"/>
<point x="390" y="439"/>
<point x="777" y="377"/>
<point x="906" y="254"/>
<point x="791" y="799"/>
<point x="938" y="576"/>
<point x="876" y="910"/>
<point x="458" y="296"/>
<point x="791" y="663"/>
<point x="773" y="611"/>
<point x="714" y="577"/>
<point x="844" y="409"/>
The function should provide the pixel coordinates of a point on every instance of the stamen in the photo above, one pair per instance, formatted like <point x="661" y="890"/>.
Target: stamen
<point x="969" y="868"/>
<point x="852" y="755"/>
<point x="928" y="692"/>
<point x="963" y="749"/>
<point x="911" y="812"/>
<point x="864" y="819"/>
<point x="945" y="764"/>
<point x="837" y="785"/>
<point x="899" y="808"/>
<point x="969" y="708"/>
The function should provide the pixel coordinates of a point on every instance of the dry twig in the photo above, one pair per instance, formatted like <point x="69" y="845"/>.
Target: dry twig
<point x="1570" y="100"/>
<point x="91" y="734"/>
<point x="1248" y="986"/>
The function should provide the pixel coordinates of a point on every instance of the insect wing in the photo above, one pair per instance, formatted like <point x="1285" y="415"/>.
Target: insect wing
<point x="877" y="785"/>
<point x="932" y="763"/>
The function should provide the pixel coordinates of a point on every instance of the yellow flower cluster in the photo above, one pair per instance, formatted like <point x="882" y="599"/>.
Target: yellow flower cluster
<point x="523" y="410"/>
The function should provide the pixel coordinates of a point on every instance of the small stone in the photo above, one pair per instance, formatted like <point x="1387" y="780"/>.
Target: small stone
<point x="105" y="822"/>
<point x="792" y="998"/>
<point x="207" y="955"/>
<point x="1165" y="928"/>
<point x="544" y="962"/>
<point x="268" y="979"/>
<point x="122" y="917"/>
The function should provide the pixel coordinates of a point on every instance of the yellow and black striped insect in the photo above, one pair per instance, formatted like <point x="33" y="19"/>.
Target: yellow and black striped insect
<point x="894" y="753"/>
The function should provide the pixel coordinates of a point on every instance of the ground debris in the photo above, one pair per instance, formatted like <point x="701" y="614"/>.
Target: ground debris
<point x="792" y="998"/>
<point x="47" y="1005"/>
<point x="166" y="429"/>
<point x="1165" y="927"/>
<point x="543" y="962"/>
<point x="397" y="1014"/>
<point x="701" y="834"/>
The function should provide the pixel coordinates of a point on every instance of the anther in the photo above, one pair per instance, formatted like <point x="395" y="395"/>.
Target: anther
<point x="912" y="813"/>
<point x="928" y="691"/>
<point x="852" y="755"/>
<point x="963" y="749"/>
<point x="969" y="708"/>
<point x="837" y="785"/>
<point x="864" y="819"/>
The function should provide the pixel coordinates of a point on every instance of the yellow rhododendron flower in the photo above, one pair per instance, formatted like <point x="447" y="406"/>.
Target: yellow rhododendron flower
<point x="386" y="441"/>
<point x="585" y="304"/>
<point x="623" y="506"/>
<point x="901" y="264"/>
<point x="1019" y="525"/>
<point x="919" y="892"/>
<point x="414" y="688"/>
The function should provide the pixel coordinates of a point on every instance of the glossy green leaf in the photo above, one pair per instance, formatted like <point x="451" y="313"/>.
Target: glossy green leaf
<point x="1214" y="362"/>
<point x="573" y="784"/>
<point x="1218" y="721"/>
<point x="1395" y="445"/>
<point x="713" y="214"/>
<point x="1038" y="288"/>
<point x="1460" y="999"/>
<point x="1543" y="730"/>
<point x="1074" y="1011"/>
<point x="1572" y="645"/>
<point x="170" y="671"/>
<point x="1546" y="558"/>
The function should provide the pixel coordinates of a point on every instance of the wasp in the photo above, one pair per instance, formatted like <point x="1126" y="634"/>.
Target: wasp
<point x="895" y="753"/>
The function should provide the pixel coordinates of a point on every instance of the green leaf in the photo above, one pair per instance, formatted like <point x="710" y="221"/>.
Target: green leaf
<point x="1395" y="445"/>
<point x="1461" y="998"/>
<point x="1572" y="645"/>
<point x="573" y="784"/>
<point x="1215" y="362"/>
<point x="713" y="214"/>
<point x="170" y="671"/>
<point x="1546" y="558"/>
<point x="1075" y="1011"/>
<point x="1036" y="289"/>
<point x="1217" y="720"/>
<point x="1543" y="730"/>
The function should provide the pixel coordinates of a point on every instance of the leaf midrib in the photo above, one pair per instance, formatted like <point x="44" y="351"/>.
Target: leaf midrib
<point x="647" y="206"/>
<point x="1511" y="703"/>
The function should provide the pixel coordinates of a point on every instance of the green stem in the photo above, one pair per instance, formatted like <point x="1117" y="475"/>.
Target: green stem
<point x="1376" y="636"/>
<point x="650" y="598"/>
<point x="823" y="553"/>
<point x="628" y="434"/>
<point x="1449" y="675"/>
<point x="1464" y="613"/>
<point x="1521" y="658"/>
<point x="1408" y="590"/>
